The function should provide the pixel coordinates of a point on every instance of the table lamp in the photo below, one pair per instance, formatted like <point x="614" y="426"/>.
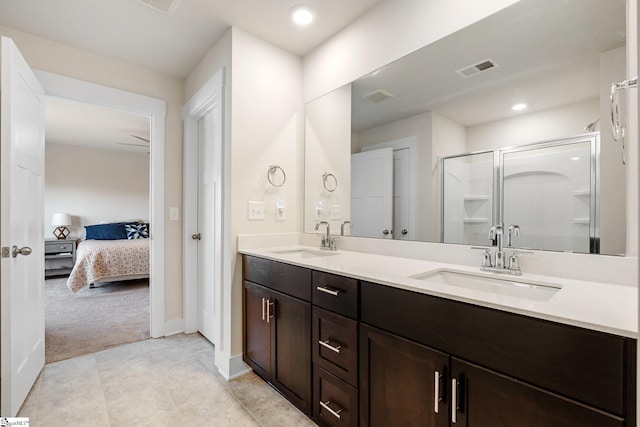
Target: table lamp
<point x="60" y="221"/>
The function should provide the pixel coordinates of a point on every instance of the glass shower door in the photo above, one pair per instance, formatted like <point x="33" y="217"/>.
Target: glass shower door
<point x="468" y="198"/>
<point x="549" y="192"/>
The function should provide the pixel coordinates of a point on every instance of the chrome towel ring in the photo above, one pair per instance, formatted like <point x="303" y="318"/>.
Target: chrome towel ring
<point x="326" y="182"/>
<point x="271" y="175"/>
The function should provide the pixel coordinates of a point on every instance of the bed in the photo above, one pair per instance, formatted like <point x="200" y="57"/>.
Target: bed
<point x="109" y="261"/>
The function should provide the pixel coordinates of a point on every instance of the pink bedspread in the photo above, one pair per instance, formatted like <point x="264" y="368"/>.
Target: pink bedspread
<point x="108" y="261"/>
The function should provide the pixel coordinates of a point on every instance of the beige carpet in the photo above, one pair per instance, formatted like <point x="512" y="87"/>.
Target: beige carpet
<point x="94" y="319"/>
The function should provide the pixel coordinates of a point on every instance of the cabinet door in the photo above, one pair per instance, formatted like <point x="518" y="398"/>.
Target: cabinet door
<point x="398" y="385"/>
<point x="291" y="351"/>
<point x="486" y="398"/>
<point x="257" y="336"/>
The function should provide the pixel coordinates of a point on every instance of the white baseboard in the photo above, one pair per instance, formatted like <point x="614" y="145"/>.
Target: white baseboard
<point x="173" y="327"/>
<point x="230" y="367"/>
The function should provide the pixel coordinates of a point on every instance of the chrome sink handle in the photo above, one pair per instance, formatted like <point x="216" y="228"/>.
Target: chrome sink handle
<point x="512" y="231"/>
<point x="514" y="261"/>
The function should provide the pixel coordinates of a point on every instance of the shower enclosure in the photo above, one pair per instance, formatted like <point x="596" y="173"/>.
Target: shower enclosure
<point x="549" y="189"/>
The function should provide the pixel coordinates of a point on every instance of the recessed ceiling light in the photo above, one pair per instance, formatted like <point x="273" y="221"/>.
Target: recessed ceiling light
<point x="302" y="14"/>
<point x="519" y="107"/>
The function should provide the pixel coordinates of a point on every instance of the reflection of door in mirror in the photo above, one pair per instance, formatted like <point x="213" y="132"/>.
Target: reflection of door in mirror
<point x="468" y="213"/>
<point x="372" y="193"/>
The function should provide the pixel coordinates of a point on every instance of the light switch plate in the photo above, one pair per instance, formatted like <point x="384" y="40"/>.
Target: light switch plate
<point x="336" y="212"/>
<point x="174" y="214"/>
<point x="256" y="211"/>
<point x="281" y="211"/>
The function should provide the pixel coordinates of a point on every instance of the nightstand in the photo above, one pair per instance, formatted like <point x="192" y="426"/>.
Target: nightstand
<point x="59" y="256"/>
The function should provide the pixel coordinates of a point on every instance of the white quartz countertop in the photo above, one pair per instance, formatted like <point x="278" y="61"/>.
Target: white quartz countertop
<point x="597" y="306"/>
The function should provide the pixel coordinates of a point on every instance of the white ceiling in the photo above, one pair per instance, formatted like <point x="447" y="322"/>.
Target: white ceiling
<point x="79" y="124"/>
<point x="547" y="51"/>
<point x="174" y="43"/>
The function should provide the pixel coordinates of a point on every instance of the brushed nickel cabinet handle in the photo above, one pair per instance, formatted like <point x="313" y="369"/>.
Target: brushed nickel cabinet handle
<point x="269" y="305"/>
<point x="263" y="310"/>
<point x="329" y="291"/>
<point x="326" y="406"/>
<point x="436" y="392"/>
<point x="454" y="401"/>
<point x="329" y="346"/>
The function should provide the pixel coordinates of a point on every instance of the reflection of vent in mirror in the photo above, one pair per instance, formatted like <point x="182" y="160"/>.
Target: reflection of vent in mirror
<point x="378" y="96"/>
<point x="478" y="68"/>
<point x="166" y="6"/>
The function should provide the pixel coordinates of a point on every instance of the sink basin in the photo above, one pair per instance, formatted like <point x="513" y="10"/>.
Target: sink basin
<point x="304" y="253"/>
<point x="507" y="286"/>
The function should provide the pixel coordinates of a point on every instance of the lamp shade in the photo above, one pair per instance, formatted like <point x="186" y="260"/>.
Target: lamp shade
<point x="61" y="219"/>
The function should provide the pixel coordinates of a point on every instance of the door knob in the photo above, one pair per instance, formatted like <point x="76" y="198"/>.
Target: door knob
<point x="20" y="251"/>
<point x="404" y="232"/>
<point x="195" y="236"/>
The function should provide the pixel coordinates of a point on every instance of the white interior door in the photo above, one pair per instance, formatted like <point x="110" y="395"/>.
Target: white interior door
<point x="209" y="230"/>
<point x="21" y="226"/>
<point x="401" y="190"/>
<point x="372" y="193"/>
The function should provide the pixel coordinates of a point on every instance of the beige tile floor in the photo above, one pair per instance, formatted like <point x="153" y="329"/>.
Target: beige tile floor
<point x="158" y="382"/>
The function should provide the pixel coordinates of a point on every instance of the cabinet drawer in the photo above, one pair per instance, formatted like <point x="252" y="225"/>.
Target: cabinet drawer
<point x="335" y="293"/>
<point x="55" y="247"/>
<point x="335" y="402"/>
<point x="335" y="344"/>
<point x="589" y="366"/>
<point x="289" y="279"/>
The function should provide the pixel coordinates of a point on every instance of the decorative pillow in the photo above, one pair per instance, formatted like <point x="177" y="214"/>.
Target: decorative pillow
<point x="113" y="231"/>
<point x="137" y="231"/>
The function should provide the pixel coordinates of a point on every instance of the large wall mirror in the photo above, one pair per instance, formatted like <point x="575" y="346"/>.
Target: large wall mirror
<point x="434" y="147"/>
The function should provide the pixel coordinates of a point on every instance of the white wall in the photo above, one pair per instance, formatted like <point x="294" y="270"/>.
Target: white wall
<point x="328" y="149"/>
<point x="391" y="30"/>
<point x="94" y="185"/>
<point x="264" y="127"/>
<point x="554" y="123"/>
<point x="46" y="55"/>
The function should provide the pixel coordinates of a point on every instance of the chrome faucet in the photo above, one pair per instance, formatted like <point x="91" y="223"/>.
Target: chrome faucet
<point x="327" y="243"/>
<point x="496" y="233"/>
<point x="342" y="227"/>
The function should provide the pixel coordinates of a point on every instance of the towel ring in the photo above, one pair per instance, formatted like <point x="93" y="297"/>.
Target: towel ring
<point x="330" y="188"/>
<point x="272" y="171"/>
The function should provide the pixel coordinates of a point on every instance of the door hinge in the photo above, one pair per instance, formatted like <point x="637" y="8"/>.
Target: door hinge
<point x="5" y="252"/>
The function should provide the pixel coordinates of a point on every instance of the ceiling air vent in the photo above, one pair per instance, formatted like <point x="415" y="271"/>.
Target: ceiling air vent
<point x="478" y="68"/>
<point x="165" y="6"/>
<point x="378" y="96"/>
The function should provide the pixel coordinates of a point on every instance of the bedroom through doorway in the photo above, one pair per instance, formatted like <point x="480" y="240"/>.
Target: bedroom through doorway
<point x="97" y="198"/>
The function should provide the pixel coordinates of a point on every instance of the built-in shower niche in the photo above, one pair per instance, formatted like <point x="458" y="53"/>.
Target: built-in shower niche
<point x="548" y="189"/>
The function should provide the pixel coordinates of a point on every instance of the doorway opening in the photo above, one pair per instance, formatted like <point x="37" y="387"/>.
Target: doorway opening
<point x="97" y="172"/>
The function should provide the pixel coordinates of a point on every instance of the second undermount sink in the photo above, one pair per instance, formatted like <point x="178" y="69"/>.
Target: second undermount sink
<point x="304" y="253"/>
<point x="505" y="286"/>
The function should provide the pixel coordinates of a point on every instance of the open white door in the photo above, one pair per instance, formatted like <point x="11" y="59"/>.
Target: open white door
<point x="21" y="228"/>
<point x="372" y="193"/>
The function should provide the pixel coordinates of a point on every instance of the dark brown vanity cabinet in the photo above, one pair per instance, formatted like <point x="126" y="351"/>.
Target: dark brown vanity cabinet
<point x="277" y="334"/>
<point x="351" y="353"/>
<point x="502" y="368"/>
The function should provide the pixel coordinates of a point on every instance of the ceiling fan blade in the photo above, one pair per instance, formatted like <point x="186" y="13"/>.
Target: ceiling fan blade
<point x="133" y="145"/>
<point x="141" y="138"/>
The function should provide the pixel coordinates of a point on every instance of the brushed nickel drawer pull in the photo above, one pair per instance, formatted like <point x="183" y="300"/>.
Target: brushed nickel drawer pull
<point x="329" y="346"/>
<point x="270" y="314"/>
<point x="329" y="291"/>
<point x="263" y="309"/>
<point x="326" y="406"/>
<point x="436" y="392"/>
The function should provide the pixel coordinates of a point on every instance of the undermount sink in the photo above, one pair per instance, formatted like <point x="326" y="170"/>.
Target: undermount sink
<point x="304" y="253"/>
<point x="507" y="286"/>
